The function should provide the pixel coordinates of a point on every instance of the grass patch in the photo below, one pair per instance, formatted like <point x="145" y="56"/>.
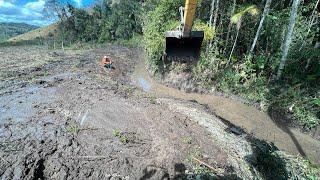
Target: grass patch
<point x="275" y="164"/>
<point x="135" y="41"/>
<point x="152" y="99"/>
<point x="199" y="170"/>
<point x="122" y="136"/>
<point x="187" y="140"/>
<point x="73" y="129"/>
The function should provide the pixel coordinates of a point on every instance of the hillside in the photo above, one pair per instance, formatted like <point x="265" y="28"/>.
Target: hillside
<point x="36" y="33"/>
<point x="8" y="30"/>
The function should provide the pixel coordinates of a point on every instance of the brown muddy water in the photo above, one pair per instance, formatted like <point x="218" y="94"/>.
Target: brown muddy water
<point x="246" y="117"/>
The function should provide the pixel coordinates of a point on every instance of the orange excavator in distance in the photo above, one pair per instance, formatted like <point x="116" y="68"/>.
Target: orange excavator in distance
<point x="184" y="45"/>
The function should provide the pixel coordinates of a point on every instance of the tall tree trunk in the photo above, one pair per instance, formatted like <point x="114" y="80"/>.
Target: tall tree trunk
<point x="216" y="15"/>
<point x="211" y="12"/>
<point x="62" y="46"/>
<point x="215" y="24"/>
<point x="230" y="25"/>
<point x="265" y="13"/>
<point x="288" y="39"/>
<point x="235" y="42"/>
<point x="210" y="23"/>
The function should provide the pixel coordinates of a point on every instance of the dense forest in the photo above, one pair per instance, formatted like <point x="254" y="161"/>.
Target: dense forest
<point x="264" y="51"/>
<point x="8" y="30"/>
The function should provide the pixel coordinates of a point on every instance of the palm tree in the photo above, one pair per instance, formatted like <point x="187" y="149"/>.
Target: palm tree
<point x="237" y="19"/>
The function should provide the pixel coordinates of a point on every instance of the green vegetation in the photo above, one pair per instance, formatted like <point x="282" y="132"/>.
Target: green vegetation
<point x="73" y="129"/>
<point x="163" y="18"/>
<point x="201" y="171"/>
<point x="8" y="30"/>
<point x="152" y="99"/>
<point x="109" y="22"/>
<point x="122" y="136"/>
<point x="187" y="140"/>
<point x="274" y="164"/>
<point x="228" y="66"/>
<point x="36" y="36"/>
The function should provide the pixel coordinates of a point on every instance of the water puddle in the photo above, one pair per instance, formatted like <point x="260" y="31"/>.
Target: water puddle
<point x="249" y="118"/>
<point x="21" y="105"/>
<point x="63" y="76"/>
<point x="144" y="84"/>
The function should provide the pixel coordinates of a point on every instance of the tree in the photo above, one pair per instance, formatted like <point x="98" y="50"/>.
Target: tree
<point x="211" y="22"/>
<point x="288" y="38"/>
<point x="216" y="15"/>
<point x="211" y="13"/>
<point x="265" y="13"/>
<point x="237" y="19"/>
<point x="311" y="23"/>
<point x="230" y="24"/>
<point x="122" y="21"/>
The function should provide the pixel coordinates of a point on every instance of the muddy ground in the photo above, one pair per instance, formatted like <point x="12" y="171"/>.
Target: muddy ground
<point x="62" y="116"/>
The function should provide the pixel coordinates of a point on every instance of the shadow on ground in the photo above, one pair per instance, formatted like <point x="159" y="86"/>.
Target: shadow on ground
<point x="284" y="123"/>
<point x="264" y="157"/>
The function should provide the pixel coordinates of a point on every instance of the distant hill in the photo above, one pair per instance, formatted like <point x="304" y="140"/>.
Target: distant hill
<point x="43" y="32"/>
<point x="8" y="30"/>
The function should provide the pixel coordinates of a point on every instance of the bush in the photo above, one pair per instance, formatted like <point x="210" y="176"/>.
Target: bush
<point x="163" y="18"/>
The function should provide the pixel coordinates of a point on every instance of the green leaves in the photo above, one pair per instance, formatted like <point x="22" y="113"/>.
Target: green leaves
<point x="252" y="10"/>
<point x="209" y="32"/>
<point x="163" y="18"/>
<point x="316" y="102"/>
<point x="122" y="21"/>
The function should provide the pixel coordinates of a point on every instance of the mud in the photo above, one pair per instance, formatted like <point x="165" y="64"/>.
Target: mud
<point x="64" y="117"/>
<point x="61" y="113"/>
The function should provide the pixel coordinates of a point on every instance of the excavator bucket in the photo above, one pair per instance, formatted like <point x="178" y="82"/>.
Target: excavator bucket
<point x="183" y="49"/>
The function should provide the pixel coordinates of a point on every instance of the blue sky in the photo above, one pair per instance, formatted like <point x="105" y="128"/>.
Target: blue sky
<point x="30" y="11"/>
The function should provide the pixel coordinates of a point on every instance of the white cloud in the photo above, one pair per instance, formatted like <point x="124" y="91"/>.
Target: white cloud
<point x="6" y="4"/>
<point x="35" y="6"/>
<point x="30" y="13"/>
<point x="24" y="19"/>
<point x="78" y="2"/>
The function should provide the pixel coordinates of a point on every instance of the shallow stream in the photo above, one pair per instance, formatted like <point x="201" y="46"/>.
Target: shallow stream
<point x="253" y="121"/>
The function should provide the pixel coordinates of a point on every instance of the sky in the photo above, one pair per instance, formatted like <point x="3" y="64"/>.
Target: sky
<point x="31" y="11"/>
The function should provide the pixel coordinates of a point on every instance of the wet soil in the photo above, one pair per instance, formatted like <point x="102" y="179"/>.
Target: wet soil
<point x="62" y="116"/>
<point x="65" y="117"/>
<point x="235" y="111"/>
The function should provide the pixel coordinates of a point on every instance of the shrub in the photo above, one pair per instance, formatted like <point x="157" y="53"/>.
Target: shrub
<point x="163" y="18"/>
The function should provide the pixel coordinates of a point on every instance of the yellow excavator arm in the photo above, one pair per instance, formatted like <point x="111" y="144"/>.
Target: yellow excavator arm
<point x="184" y="45"/>
<point x="189" y="14"/>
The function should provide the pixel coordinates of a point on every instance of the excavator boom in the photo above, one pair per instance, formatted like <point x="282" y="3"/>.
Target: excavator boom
<point x="183" y="45"/>
<point x="189" y="14"/>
